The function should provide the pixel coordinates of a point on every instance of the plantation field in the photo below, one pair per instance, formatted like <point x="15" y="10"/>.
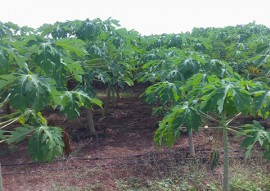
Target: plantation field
<point x="125" y="158"/>
<point x="187" y="111"/>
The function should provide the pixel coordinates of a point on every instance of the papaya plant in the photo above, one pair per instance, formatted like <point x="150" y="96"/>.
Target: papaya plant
<point x="110" y="51"/>
<point x="36" y="72"/>
<point x="220" y="100"/>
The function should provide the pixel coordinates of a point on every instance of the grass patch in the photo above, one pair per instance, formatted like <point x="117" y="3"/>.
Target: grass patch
<point x="97" y="186"/>
<point x="245" y="176"/>
<point x="250" y="176"/>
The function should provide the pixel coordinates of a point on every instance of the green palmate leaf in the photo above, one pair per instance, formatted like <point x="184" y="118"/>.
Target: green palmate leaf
<point x="170" y="126"/>
<point x="46" y="144"/>
<point x="242" y="100"/>
<point x="47" y="56"/>
<point x="189" y="67"/>
<point x="70" y="102"/>
<point x="223" y="93"/>
<point x="196" y="80"/>
<point x="163" y="91"/>
<point x="220" y="69"/>
<point x="74" y="68"/>
<point x="75" y="46"/>
<point x="56" y="97"/>
<point x="261" y="103"/>
<point x="5" y="80"/>
<point x="186" y="115"/>
<point x="255" y="133"/>
<point x="70" y="105"/>
<point x="214" y="98"/>
<point x="19" y="134"/>
<point x="227" y="96"/>
<point x="2" y="135"/>
<point x="128" y="81"/>
<point x="93" y="101"/>
<point x="30" y="91"/>
<point x="166" y="135"/>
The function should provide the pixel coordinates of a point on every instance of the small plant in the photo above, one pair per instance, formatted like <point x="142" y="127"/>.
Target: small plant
<point x="240" y="182"/>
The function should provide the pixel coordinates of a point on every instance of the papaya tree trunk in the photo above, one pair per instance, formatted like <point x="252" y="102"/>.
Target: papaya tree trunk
<point x="1" y="182"/>
<point x="107" y="103"/>
<point x="90" y="122"/>
<point x="226" y="156"/>
<point x="114" y="96"/>
<point x="191" y="143"/>
<point x="91" y="125"/>
<point x="116" y="88"/>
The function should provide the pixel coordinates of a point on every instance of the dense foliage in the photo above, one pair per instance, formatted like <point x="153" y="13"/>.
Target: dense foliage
<point x="213" y="73"/>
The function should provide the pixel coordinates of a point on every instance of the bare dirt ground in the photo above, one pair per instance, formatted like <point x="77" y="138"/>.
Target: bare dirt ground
<point x="125" y="149"/>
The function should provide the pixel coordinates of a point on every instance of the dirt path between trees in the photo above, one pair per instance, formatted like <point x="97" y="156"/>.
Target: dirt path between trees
<point x="125" y="149"/>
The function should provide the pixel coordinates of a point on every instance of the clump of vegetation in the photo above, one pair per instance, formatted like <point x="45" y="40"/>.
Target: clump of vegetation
<point x="246" y="176"/>
<point x="250" y="176"/>
<point x="97" y="186"/>
<point x="214" y="74"/>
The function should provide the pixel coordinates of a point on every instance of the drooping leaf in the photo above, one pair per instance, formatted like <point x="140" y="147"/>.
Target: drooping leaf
<point x="46" y="144"/>
<point x="30" y="91"/>
<point x="163" y="91"/>
<point x="2" y="135"/>
<point x="70" y="102"/>
<point x="5" y="80"/>
<point x="19" y="134"/>
<point x="255" y="133"/>
<point x="170" y="126"/>
<point x="242" y="100"/>
<point x="261" y="102"/>
<point x="228" y="95"/>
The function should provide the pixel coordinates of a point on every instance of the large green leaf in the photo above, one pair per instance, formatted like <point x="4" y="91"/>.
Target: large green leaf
<point x="180" y="116"/>
<point x="226" y="96"/>
<point x="261" y="103"/>
<point x="5" y="80"/>
<point x="255" y="133"/>
<point x="242" y="100"/>
<point x="162" y="91"/>
<point x="46" y="144"/>
<point x="19" y="134"/>
<point x="31" y="91"/>
<point x="70" y="102"/>
<point x="74" y="68"/>
<point x="2" y="135"/>
<point x="75" y="46"/>
<point x="46" y="55"/>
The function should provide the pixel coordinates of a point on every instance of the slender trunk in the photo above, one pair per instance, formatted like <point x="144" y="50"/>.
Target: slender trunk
<point x="113" y="96"/>
<point x="107" y="102"/>
<point x="191" y="143"/>
<point x="117" y="92"/>
<point x="90" y="121"/>
<point x="226" y="156"/>
<point x="1" y="182"/>
<point x="91" y="125"/>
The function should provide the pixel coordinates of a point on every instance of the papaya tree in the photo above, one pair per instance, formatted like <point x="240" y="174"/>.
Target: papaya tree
<point x="170" y="68"/>
<point x="220" y="100"/>
<point x="36" y="71"/>
<point x="110" y="49"/>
